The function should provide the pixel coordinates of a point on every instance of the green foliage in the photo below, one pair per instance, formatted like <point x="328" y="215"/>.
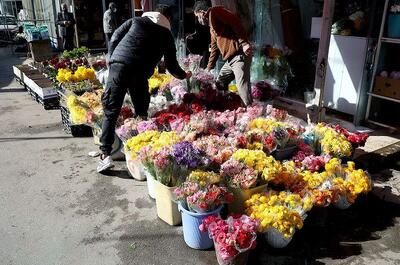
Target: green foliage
<point x="75" y="53"/>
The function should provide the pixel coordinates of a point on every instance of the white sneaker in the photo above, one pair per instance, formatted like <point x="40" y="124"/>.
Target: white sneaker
<point x="105" y="164"/>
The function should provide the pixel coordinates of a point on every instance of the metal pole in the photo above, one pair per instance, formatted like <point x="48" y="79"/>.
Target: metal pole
<point x="376" y="58"/>
<point x="323" y="50"/>
<point x="33" y="10"/>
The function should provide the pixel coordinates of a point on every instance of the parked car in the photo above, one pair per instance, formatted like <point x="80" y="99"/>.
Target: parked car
<point x="8" y="27"/>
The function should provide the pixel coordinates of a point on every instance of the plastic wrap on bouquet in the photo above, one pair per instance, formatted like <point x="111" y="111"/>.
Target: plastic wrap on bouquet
<point x="276" y="239"/>
<point x="150" y="184"/>
<point x="239" y="259"/>
<point x="135" y="168"/>
<point x="342" y="203"/>
<point x="242" y="195"/>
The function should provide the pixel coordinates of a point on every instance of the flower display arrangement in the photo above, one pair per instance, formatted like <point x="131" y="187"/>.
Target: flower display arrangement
<point x="233" y="236"/>
<point x="202" y="192"/>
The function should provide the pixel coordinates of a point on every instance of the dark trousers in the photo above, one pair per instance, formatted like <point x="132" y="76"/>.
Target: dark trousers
<point x="68" y="43"/>
<point x="121" y="79"/>
<point x="108" y="38"/>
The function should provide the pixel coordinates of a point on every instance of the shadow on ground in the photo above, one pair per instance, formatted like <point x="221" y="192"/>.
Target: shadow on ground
<point x="332" y="233"/>
<point x="7" y="59"/>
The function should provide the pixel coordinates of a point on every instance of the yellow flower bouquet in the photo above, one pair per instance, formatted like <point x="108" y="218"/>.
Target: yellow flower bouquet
<point x="332" y="142"/>
<point x="271" y="213"/>
<point x="66" y="75"/>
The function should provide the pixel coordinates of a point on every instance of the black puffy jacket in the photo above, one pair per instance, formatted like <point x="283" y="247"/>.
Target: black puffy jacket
<point x="140" y="43"/>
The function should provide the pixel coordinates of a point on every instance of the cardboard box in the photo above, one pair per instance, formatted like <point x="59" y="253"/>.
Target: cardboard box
<point x="387" y="87"/>
<point x="41" y="50"/>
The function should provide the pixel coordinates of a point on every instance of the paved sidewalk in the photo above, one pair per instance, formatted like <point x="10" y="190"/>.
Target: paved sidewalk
<point x="55" y="209"/>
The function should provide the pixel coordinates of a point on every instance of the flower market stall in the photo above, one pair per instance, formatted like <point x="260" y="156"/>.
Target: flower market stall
<point x="202" y="152"/>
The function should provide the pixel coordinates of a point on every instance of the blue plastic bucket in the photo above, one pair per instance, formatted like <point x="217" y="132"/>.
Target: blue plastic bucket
<point x="394" y="26"/>
<point x="192" y="235"/>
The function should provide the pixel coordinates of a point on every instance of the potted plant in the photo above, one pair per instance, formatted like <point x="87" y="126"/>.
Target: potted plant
<point x="394" y="20"/>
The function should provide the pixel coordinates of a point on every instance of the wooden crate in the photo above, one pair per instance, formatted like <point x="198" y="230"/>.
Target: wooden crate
<point x="387" y="87"/>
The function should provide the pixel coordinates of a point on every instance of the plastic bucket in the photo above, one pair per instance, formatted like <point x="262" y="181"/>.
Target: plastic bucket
<point x="192" y="235"/>
<point x="242" y="195"/>
<point x="167" y="209"/>
<point x="275" y="238"/>
<point x="150" y="184"/>
<point x="394" y="26"/>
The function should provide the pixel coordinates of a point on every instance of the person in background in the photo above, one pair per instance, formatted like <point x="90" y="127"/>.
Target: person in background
<point x="229" y="38"/>
<point x="135" y="49"/>
<point x="110" y="22"/>
<point x="66" y="21"/>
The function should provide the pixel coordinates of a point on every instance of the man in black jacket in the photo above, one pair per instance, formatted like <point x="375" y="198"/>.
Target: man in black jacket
<point x="66" y="21"/>
<point x="135" y="49"/>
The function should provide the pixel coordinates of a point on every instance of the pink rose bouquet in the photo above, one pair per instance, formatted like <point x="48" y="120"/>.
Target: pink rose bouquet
<point x="232" y="236"/>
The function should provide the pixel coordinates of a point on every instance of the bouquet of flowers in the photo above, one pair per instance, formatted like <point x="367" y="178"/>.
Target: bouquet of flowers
<point x="191" y="63"/>
<point x="263" y="91"/>
<point x="356" y="139"/>
<point x="348" y="181"/>
<point x="217" y="148"/>
<point x="127" y="130"/>
<point x="149" y="125"/>
<point x="200" y="124"/>
<point x="332" y="142"/>
<point x="158" y="81"/>
<point x="233" y="236"/>
<point x="136" y="143"/>
<point x="65" y="75"/>
<point x="239" y="175"/>
<point x="272" y="213"/>
<point x="310" y="162"/>
<point x="263" y="165"/>
<point x="202" y="192"/>
<point x="85" y="109"/>
<point x="289" y="177"/>
<point x="188" y="158"/>
<point x="164" y="167"/>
